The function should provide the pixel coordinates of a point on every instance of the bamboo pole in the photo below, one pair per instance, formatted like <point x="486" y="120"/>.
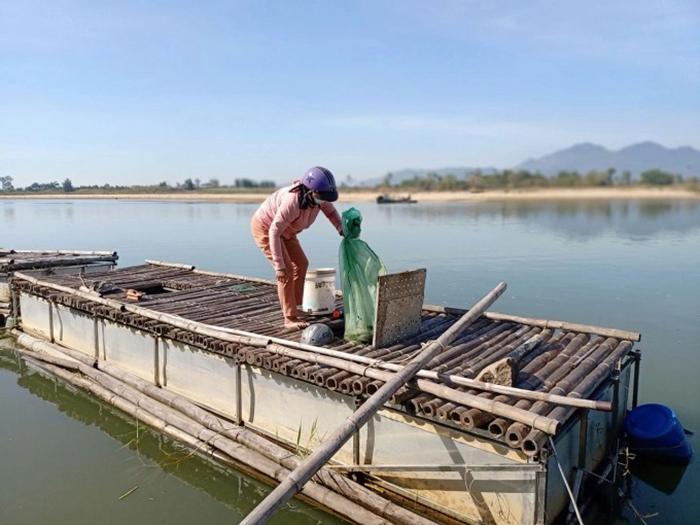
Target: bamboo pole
<point x="170" y="265"/>
<point x="466" y="351"/>
<point x="545" y="323"/>
<point x="298" y="478"/>
<point x="504" y="370"/>
<point x="238" y="277"/>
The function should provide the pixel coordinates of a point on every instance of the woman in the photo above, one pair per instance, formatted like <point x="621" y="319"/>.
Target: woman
<point x="275" y="226"/>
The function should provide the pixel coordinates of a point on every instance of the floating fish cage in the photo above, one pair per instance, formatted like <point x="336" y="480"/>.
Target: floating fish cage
<point x="455" y="445"/>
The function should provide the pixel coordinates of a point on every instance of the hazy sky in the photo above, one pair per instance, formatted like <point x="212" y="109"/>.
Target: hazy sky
<point x="131" y="92"/>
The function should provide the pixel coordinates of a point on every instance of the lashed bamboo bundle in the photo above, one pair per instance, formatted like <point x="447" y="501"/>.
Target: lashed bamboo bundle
<point x="538" y="375"/>
<point x="463" y="415"/>
<point x="585" y="385"/>
<point x="516" y="433"/>
<point x="447" y="411"/>
<point x="470" y="368"/>
<point x="396" y="354"/>
<point x="473" y="418"/>
<point x="552" y="378"/>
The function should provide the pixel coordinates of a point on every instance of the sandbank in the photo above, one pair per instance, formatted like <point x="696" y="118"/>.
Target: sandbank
<point x="635" y="192"/>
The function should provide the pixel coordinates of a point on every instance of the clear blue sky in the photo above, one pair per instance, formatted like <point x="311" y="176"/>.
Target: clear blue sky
<point x="131" y="92"/>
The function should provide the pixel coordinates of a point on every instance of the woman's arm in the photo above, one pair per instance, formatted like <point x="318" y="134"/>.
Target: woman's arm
<point x="329" y="211"/>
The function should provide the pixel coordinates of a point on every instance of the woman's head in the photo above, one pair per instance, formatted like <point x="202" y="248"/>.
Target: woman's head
<point x="321" y="182"/>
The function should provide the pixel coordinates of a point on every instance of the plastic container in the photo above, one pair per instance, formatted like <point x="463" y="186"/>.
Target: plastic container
<point x="319" y="291"/>
<point x="654" y="430"/>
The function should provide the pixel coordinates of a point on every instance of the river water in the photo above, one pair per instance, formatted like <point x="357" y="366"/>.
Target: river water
<point x="65" y="458"/>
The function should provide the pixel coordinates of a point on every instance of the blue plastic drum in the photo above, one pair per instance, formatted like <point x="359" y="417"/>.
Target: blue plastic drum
<point x="654" y="430"/>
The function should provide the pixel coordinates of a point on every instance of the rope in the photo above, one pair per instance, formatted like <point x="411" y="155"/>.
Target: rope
<point x="435" y="341"/>
<point x="566" y="483"/>
<point x="374" y="364"/>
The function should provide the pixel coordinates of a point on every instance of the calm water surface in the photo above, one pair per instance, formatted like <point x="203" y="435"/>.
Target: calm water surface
<point x="624" y="264"/>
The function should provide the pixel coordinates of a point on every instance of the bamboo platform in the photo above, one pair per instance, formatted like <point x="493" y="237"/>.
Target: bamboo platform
<point x="47" y="262"/>
<point x="22" y="260"/>
<point x="550" y="357"/>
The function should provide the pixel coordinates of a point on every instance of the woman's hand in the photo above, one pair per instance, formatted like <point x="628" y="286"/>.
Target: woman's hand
<point x="281" y="276"/>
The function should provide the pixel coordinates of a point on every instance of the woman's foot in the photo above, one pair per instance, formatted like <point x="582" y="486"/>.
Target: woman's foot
<point x="295" y="324"/>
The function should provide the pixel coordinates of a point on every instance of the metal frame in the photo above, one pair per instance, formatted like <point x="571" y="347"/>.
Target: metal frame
<point x="457" y="467"/>
<point x="541" y="496"/>
<point x="239" y="393"/>
<point x="583" y="440"/>
<point x="637" y="370"/>
<point x="610" y="463"/>
<point x="424" y="502"/>
<point x="398" y="306"/>
<point x="52" y="339"/>
<point x="356" y="436"/>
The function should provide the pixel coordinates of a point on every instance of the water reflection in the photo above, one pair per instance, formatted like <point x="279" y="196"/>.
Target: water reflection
<point x="662" y="477"/>
<point x="580" y="219"/>
<point x="8" y="213"/>
<point x="232" y="488"/>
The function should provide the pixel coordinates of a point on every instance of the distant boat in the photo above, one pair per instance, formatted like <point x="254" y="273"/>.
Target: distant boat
<point x="388" y="199"/>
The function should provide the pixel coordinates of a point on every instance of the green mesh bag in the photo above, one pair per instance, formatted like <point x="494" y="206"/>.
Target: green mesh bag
<point x="359" y="269"/>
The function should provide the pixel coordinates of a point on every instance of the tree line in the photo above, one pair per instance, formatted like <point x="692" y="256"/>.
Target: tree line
<point x="189" y="184"/>
<point x="475" y="181"/>
<point x="478" y="180"/>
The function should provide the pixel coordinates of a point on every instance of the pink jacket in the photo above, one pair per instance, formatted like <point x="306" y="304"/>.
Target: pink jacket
<point x="282" y="217"/>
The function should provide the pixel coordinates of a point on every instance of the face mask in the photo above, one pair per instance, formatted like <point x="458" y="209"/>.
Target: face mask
<point x="318" y="201"/>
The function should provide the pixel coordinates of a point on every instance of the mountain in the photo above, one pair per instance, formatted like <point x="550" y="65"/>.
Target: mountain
<point x="583" y="158"/>
<point x="635" y="158"/>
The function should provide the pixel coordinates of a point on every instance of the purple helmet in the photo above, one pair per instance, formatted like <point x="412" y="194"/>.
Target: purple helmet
<point x="321" y="180"/>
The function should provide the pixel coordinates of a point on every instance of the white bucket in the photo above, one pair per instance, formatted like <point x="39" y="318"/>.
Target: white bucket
<point x="319" y="291"/>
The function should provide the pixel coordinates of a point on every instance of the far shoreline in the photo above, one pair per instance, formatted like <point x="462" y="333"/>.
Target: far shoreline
<point x="544" y="194"/>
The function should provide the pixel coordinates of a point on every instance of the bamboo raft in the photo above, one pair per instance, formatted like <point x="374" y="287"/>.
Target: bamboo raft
<point x="557" y="363"/>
